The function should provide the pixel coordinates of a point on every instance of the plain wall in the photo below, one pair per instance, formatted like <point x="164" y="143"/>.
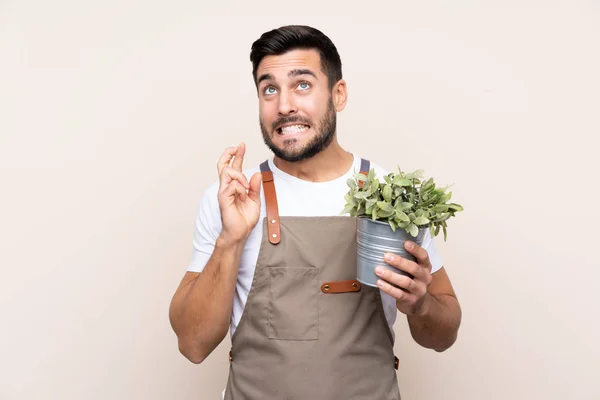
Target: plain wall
<point x="113" y="115"/>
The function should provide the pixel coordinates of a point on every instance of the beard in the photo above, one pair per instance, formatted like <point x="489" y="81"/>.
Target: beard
<point x="324" y="134"/>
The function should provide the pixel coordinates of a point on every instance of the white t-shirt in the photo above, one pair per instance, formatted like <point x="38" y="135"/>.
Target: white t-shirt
<point x="295" y="197"/>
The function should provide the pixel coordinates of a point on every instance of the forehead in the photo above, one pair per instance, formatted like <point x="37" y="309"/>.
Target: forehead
<point x="278" y="66"/>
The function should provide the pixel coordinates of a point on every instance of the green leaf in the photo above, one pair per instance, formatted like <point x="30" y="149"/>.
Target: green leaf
<point x="444" y="217"/>
<point x="387" y="193"/>
<point x="360" y="195"/>
<point x="445" y="233"/>
<point x="374" y="214"/>
<point x="387" y="207"/>
<point x="445" y="197"/>
<point x="412" y="216"/>
<point x="372" y="174"/>
<point x="404" y="206"/>
<point x="347" y="209"/>
<point x="374" y="186"/>
<point x="402" y="181"/>
<point x="384" y="214"/>
<point x="351" y="183"/>
<point x="392" y="225"/>
<point x="416" y="174"/>
<point x="413" y="230"/>
<point x="455" y="207"/>
<point x="370" y="204"/>
<point x="402" y="216"/>
<point x="422" y="220"/>
<point x="440" y="208"/>
<point x="428" y="185"/>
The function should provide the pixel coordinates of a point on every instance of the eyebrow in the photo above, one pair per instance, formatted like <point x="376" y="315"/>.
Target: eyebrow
<point x="298" y="72"/>
<point x="292" y="73"/>
<point x="264" y="77"/>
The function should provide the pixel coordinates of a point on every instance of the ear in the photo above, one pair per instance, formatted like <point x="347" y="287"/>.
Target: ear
<point x="340" y="95"/>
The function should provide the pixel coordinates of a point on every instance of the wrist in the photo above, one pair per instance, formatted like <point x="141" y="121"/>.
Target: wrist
<point x="225" y="241"/>
<point x="425" y="307"/>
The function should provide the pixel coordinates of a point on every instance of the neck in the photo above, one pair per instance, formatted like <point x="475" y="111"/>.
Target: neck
<point x="329" y="164"/>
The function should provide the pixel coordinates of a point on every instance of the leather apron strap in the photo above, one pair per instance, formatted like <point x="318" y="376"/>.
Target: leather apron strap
<point x="271" y="203"/>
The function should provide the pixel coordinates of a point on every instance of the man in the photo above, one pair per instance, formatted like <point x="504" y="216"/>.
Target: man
<point x="275" y="262"/>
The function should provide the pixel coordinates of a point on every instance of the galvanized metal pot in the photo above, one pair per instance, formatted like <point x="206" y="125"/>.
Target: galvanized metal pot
<point x="375" y="238"/>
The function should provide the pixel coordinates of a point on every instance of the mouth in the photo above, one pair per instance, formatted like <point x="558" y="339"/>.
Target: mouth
<point x="292" y="130"/>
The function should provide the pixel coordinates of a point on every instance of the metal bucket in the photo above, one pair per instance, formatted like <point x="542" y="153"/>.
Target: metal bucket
<point x="374" y="239"/>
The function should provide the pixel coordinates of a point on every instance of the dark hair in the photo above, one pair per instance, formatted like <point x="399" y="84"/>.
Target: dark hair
<point x="291" y="37"/>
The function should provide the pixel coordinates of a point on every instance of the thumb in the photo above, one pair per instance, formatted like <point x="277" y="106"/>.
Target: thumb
<point x="255" y="184"/>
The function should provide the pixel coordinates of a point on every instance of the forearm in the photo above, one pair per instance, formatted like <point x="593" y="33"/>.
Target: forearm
<point x="201" y="308"/>
<point x="437" y="326"/>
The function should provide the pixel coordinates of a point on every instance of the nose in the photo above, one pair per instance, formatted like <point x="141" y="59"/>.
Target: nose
<point x="286" y="104"/>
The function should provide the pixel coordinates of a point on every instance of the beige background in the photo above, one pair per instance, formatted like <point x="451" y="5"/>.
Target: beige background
<point x="112" y="118"/>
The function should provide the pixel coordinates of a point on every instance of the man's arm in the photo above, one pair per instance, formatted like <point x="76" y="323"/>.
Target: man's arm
<point x="201" y="308"/>
<point x="436" y="325"/>
<point x="203" y="303"/>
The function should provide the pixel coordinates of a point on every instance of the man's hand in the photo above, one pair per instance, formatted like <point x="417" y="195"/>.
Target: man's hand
<point x="412" y="298"/>
<point x="429" y="301"/>
<point x="239" y="199"/>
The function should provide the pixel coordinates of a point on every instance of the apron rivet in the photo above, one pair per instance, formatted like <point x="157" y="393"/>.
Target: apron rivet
<point x="326" y="287"/>
<point x="274" y="235"/>
<point x="354" y="285"/>
<point x="273" y="221"/>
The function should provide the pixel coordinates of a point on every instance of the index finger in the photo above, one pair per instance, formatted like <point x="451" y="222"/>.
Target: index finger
<point x="420" y="253"/>
<point x="226" y="158"/>
<point x="239" y="157"/>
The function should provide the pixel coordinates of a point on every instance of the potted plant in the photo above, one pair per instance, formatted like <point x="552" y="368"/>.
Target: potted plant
<point x="402" y="207"/>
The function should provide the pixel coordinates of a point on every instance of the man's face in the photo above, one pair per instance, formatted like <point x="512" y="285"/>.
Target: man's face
<point x="296" y="110"/>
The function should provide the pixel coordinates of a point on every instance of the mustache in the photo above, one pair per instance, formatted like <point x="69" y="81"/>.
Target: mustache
<point x="290" y="120"/>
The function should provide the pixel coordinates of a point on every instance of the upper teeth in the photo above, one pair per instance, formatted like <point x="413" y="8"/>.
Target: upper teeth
<point x="293" y="129"/>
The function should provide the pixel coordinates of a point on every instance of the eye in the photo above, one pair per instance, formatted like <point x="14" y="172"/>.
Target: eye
<point x="269" y="90"/>
<point x="304" y="85"/>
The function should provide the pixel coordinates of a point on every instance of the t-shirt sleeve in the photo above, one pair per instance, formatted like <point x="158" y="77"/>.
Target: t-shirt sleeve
<point x="207" y="229"/>
<point x="434" y="256"/>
